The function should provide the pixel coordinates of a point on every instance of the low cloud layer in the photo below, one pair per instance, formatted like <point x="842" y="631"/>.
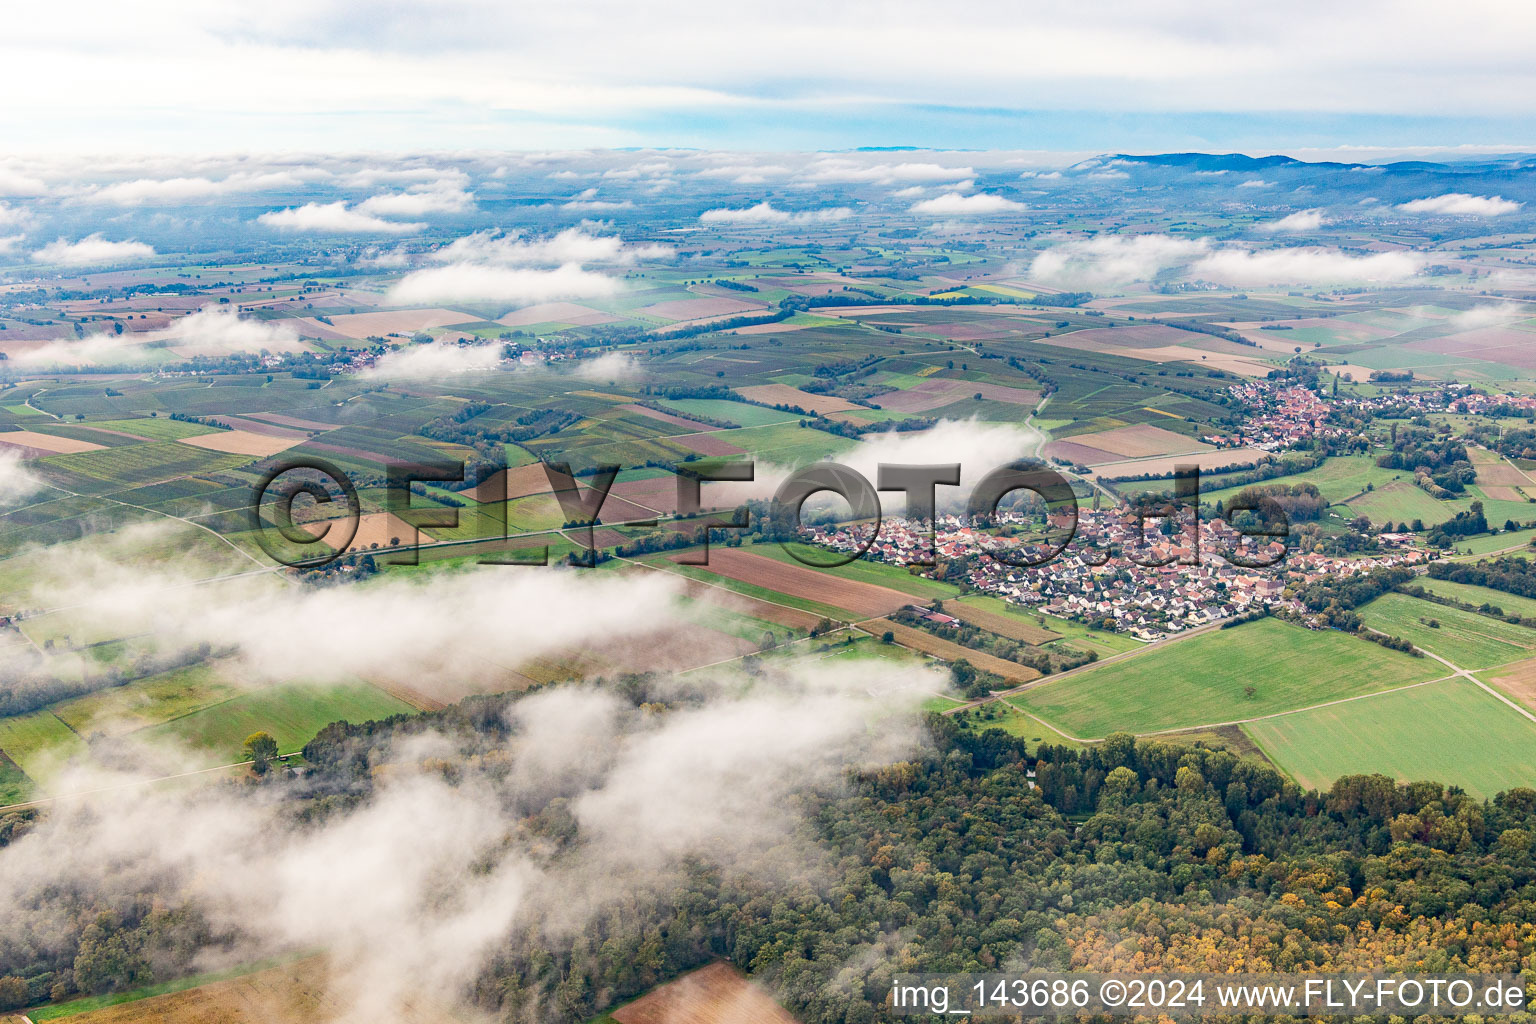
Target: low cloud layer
<point x="438" y="359"/>
<point x="221" y="331"/>
<point x="1115" y="260"/>
<point x="1241" y="268"/>
<point x="509" y="269"/>
<point x="412" y="890"/>
<point x="1112" y="259"/>
<point x="91" y="249"/>
<point x="1304" y="220"/>
<point x="953" y="204"/>
<point x="508" y="286"/>
<point x="17" y="482"/>
<point x="767" y="213"/>
<point x="614" y="366"/>
<point x="334" y="219"/>
<point x="1461" y="204"/>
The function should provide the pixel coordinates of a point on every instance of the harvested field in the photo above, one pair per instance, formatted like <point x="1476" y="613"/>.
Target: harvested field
<point x="1518" y="681"/>
<point x="658" y="493"/>
<point x="374" y="530"/>
<point x="292" y="421"/>
<point x="1081" y="454"/>
<point x="243" y="442"/>
<point x="1351" y="372"/>
<point x="925" y="642"/>
<point x="862" y="599"/>
<point x="1207" y="460"/>
<point x="706" y="444"/>
<point x="1140" y="441"/>
<point x="698" y="309"/>
<point x="557" y="313"/>
<point x="400" y="321"/>
<point x="1503" y="493"/>
<point x="783" y="394"/>
<point x="256" y="426"/>
<point x="717" y="994"/>
<point x="667" y="417"/>
<point x="47" y="442"/>
<point x="1014" y="627"/>
<point x="512" y="483"/>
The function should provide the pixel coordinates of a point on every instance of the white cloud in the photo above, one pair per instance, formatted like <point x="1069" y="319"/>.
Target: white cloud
<point x="613" y="366"/>
<point x="9" y="242"/>
<point x="476" y="282"/>
<point x="1488" y="315"/>
<point x="91" y="350"/>
<point x="1461" y="204"/>
<point x="220" y="331"/>
<point x="333" y="219"/>
<point x="1304" y="220"/>
<point x="437" y="359"/>
<point x="1255" y="183"/>
<point x="14" y="183"/>
<point x="17" y="482"/>
<point x="150" y="191"/>
<point x="573" y="245"/>
<point x="417" y="202"/>
<point x="1240" y="268"/>
<point x="14" y="216"/>
<point x="767" y="213"/>
<point x="953" y="204"/>
<point x="91" y="249"/>
<point x="1112" y="260"/>
<point x="853" y="172"/>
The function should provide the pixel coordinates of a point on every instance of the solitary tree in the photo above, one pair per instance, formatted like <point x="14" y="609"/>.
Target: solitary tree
<point x="260" y="748"/>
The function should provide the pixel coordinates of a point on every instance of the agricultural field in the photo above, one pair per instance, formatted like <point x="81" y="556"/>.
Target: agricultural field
<point x="1205" y="680"/>
<point x="1509" y="604"/>
<point x="1450" y="731"/>
<point x="924" y="642"/>
<point x="719" y="992"/>
<point x="857" y="598"/>
<point x="1013" y="624"/>
<point x="1337" y="479"/>
<point x="1465" y="639"/>
<point x="882" y="574"/>
<point x="292" y="713"/>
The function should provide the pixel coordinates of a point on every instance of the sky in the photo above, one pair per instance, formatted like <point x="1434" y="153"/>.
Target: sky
<point x="1118" y="75"/>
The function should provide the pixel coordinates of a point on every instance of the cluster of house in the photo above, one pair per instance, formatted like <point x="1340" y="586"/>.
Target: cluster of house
<point x="1286" y="414"/>
<point x="1112" y="576"/>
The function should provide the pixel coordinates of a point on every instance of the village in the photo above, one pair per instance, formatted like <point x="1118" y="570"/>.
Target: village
<point x="1111" y="576"/>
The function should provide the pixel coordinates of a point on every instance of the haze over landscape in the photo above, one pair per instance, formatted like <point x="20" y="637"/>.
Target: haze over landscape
<point x="408" y="611"/>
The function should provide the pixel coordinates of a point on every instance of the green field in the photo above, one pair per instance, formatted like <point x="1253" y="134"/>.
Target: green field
<point x="785" y="443"/>
<point x="147" y="702"/>
<point x="292" y="713"/>
<point x="1401" y="502"/>
<point x="15" y="787"/>
<point x="156" y="429"/>
<point x="1450" y="731"/>
<point x="1201" y="680"/>
<point x="1003" y="715"/>
<point x="1466" y="639"/>
<point x="1510" y="604"/>
<point x="1337" y="478"/>
<point x="1489" y="543"/>
<point x="739" y="413"/>
<point x="39" y="743"/>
